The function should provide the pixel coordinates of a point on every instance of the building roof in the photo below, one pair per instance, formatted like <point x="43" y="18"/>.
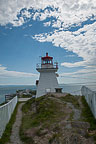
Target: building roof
<point x="47" y="57"/>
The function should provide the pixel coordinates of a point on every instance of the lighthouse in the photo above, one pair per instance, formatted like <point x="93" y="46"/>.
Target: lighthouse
<point x="48" y="77"/>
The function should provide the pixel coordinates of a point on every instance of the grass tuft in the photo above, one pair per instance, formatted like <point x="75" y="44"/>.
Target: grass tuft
<point x="87" y="114"/>
<point x="88" y="117"/>
<point x="46" y="112"/>
<point x="72" y="99"/>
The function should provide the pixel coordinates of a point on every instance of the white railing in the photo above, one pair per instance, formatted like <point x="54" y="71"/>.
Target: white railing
<point x="6" y="111"/>
<point x="90" y="97"/>
<point x="39" y="65"/>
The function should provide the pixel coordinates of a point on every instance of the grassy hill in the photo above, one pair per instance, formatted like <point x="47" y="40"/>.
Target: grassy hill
<point x="56" y="119"/>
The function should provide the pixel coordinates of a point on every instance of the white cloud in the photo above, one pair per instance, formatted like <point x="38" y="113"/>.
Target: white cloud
<point x="6" y="73"/>
<point x="18" y="22"/>
<point x="10" y="9"/>
<point x="70" y="55"/>
<point x="84" y="45"/>
<point x="57" y="24"/>
<point x="26" y="13"/>
<point x="47" y="24"/>
<point x="83" y="76"/>
<point x="81" y="72"/>
<point x="69" y="11"/>
<point x="76" y="64"/>
<point x="30" y="25"/>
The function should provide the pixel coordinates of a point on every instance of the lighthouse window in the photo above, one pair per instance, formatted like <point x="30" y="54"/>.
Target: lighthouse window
<point x="47" y="61"/>
<point x="43" y="62"/>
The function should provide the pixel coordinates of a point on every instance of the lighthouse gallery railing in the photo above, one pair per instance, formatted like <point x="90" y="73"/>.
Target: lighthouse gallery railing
<point x="39" y="65"/>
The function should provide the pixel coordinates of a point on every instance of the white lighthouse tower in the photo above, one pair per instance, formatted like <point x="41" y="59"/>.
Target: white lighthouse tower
<point x="47" y="80"/>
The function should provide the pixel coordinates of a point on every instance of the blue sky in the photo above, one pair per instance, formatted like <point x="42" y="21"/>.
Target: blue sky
<point x="64" y="29"/>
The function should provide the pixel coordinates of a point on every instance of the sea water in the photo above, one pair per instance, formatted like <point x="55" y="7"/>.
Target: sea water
<point x="68" y="88"/>
<point x="11" y="89"/>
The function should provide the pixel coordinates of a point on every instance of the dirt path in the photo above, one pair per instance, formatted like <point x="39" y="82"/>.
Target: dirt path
<point x="15" y="139"/>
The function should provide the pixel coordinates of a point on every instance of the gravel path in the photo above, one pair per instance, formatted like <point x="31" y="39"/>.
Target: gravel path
<point x="77" y="112"/>
<point x="15" y="139"/>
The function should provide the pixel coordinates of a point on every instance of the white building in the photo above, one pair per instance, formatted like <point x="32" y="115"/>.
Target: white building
<point x="47" y="80"/>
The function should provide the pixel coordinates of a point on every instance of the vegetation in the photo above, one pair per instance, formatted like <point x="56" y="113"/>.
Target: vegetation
<point x="52" y="117"/>
<point x="54" y="136"/>
<point x="71" y="116"/>
<point x="47" y="111"/>
<point x="33" y="92"/>
<point x="87" y="114"/>
<point x="27" y="106"/>
<point x="24" y="94"/>
<point x="88" y="117"/>
<point x="7" y="133"/>
<point x="72" y="99"/>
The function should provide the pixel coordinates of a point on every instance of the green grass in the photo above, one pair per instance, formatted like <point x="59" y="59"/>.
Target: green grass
<point x="26" y="139"/>
<point x="7" y="133"/>
<point x="26" y="96"/>
<point x="71" y="116"/>
<point x="47" y="113"/>
<point x="88" y="117"/>
<point x="31" y="93"/>
<point x="45" y="109"/>
<point x="26" y="124"/>
<point x="87" y="114"/>
<point x="72" y="99"/>
<point x="54" y="137"/>
<point x="27" y="106"/>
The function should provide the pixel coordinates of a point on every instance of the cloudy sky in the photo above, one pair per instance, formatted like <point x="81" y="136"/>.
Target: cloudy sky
<point x="66" y="29"/>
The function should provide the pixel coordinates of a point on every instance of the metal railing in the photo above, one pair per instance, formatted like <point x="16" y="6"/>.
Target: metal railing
<point x="39" y="65"/>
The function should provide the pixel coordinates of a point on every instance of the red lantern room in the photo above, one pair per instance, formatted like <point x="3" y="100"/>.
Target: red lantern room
<point x="47" y="60"/>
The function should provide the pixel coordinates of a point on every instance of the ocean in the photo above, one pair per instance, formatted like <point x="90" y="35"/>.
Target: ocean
<point x="11" y="89"/>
